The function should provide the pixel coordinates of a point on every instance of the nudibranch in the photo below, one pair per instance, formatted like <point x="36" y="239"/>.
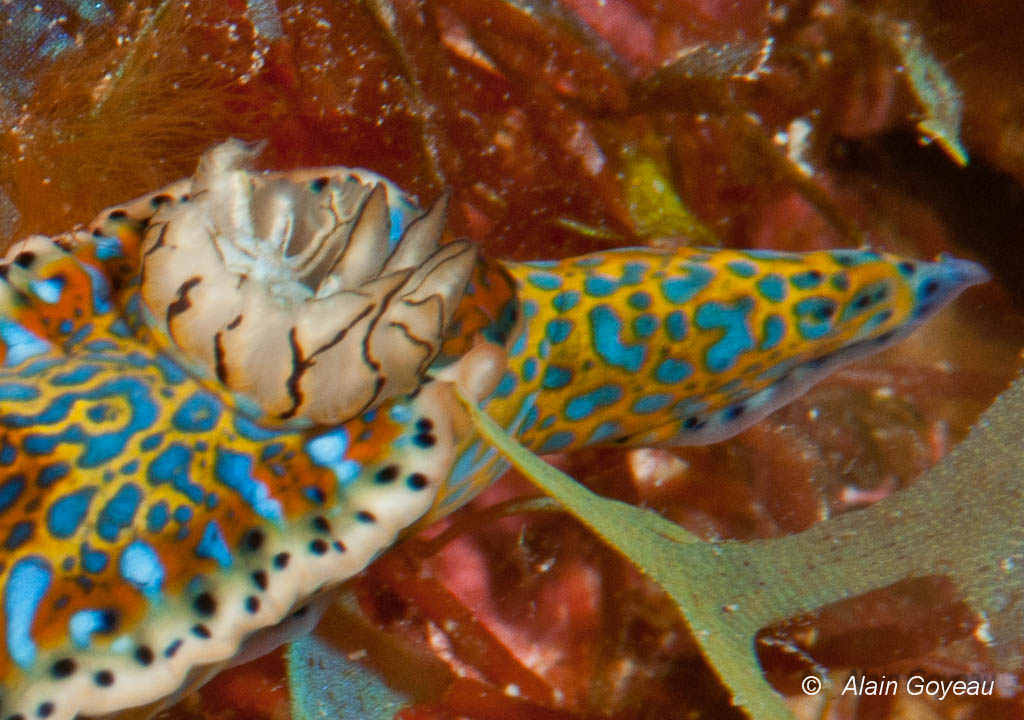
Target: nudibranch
<point x="229" y="396"/>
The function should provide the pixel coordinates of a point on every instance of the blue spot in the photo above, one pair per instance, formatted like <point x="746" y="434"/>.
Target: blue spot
<point x="607" y="430"/>
<point x="107" y="248"/>
<point x="556" y="377"/>
<point x="329" y="448"/>
<point x="599" y="286"/>
<point x="157" y="517"/>
<point x="86" y="622"/>
<point x="530" y="309"/>
<point x="20" y="534"/>
<point x="529" y="371"/>
<point x="544" y="281"/>
<point x="27" y="584"/>
<point x="589" y="261"/>
<point x="100" y="412"/>
<point x="50" y="474"/>
<point x="558" y="330"/>
<point x="645" y="325"/>
<point x="651" y="403"/>
<point x="17" y="391"/>
<point x="584" y="405"/>
<point x="556" y="441"/>
<point x="93" y="561"/>
<point x="172" y="466"/>
<point x="807" y="280"/>
<point x="212" y="545"/>
<point x="140" y="566"/>
<point x="742" y="269"/>
<point x="251" y="431"/>
<point x="640" y="300"/>
<point x="269" y="452"/>
<point x="100" y="289"/>
<point x="675" y="325"/>
<point x="565" y="300"/>
<point x="8" y="454"/>
<point x="633" y="273"/>
<point x="21" y="344"/>
<point x="605" y="333"/>
<point x="151" y="442"/>
<point x="65" y="516"/>
<point x="546" y="423"/>
<point x="48" y="290"/>
<point x="198" y="413"/>
<point x="852" y="258"/>
<point x="772" y="287"/>
<point x="736" y="338"/>
<point x="683" y="289"/>
<point x="119" y="511"/>
<point x="506" y="386"/>
<point x="10" y="489"/>
<point x="670" y="371"/>
<point x="183" y="514"/>
<point x="235" y="471"/>
<point x="814" y="317"/>
<point x="314" y="494"/>
<point x="773" y="329"/>
<point x="840" y="281"/>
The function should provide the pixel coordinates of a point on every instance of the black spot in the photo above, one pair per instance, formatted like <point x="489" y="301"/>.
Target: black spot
<point x="693" y="423"/>
<point x="235" y="323"/>
<point x="387" y="474"/>
<point x="259" y="577"/>
<point x="416" y="481"/>
<point x="884" y="338"/>
<point x="825" y="310"/>
<point x="25" y="258"/>
<point x="281" y="560"/>
<point x="63" y="668"/>
<point x="173" y="648"/>
<point x="252" y="604"/>
<point x="45" y="709"/>
<point x="144" y="655"/>
<point x="366" y="517"/>
<point x="117" y="214"/>
<point x="3" y="270"/>
<point x="16" y="716"/>
<point x="927" y="290"/>
<point x="907" y="268"/>
<point x="319" y="184"/>
<point x="109" y="621"/>
<point x="318" y="547"/>
<point x="862" y="301"/>
<point x="205" y="604"/>
<point x="161" y="199"/>
<point x="301" y="612"/>
<point x="201" y="631"/>
<point x="424" y="425"/>
<point x="320" y="524"/>
<point x="103" y="678"/>
<point x="253" y="540"/>
<point x="339" y="546"/>
<point x="734" y="412"/>
<point x="424" y="440"/>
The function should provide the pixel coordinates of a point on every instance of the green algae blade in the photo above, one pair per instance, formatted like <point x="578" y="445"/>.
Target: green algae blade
<point x="961" y="520"/>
